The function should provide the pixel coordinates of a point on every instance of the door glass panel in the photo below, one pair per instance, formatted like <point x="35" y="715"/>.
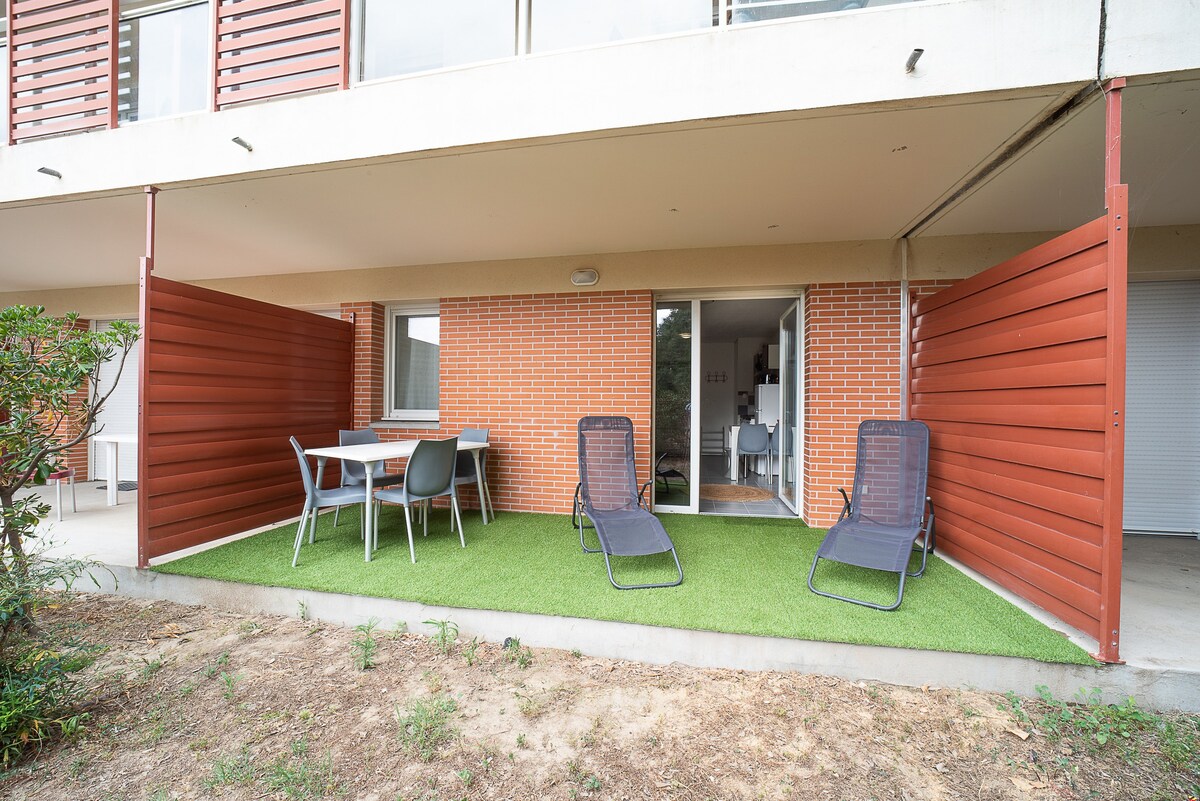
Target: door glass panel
<point x="673" y="404"/>
<point x="787" y="436"/>
<point x="164" y="64"/>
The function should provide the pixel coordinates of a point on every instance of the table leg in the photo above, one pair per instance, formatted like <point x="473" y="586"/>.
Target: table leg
<point x="733" y="455"/>
<point x="479" y="483"/>
<point x="111" y="453"/>
<point x="368" y="514"/>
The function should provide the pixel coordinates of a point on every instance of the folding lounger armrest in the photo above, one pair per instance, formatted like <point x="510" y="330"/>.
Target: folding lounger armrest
<point x="846" y="506"/>
<point x="932" y="533"/>
<point x="642" y="495"/>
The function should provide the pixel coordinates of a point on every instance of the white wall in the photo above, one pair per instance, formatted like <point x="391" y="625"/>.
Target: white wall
<point x="718" y="400"/>
<point x="970" y="46"/>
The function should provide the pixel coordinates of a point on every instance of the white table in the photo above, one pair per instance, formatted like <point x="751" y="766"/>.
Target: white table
<point x="373" y="453"/>
<point x="113" y="443"/>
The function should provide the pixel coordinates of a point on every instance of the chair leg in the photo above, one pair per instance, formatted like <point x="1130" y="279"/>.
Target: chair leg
<point x="412" y="552"/>
<point x="458" y="514"/>
<point x="58" y="496"/>
<point x="73" y="509"/>
<point x="892" y="607"/>
<point x="425" y="518"/>
<point x="312" y="526"/>
<point x="337" y="510"/>
<point x="299" y="536"/>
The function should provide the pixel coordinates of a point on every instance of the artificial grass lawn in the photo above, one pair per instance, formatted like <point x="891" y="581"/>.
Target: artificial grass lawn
<point x="741" y="575"/>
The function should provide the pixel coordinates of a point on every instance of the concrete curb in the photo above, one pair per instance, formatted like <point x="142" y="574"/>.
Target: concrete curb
<point x="1153" y="689"/>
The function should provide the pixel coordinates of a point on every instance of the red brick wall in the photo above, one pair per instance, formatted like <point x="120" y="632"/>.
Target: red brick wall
<point x="852" y="373"/>
<point x="527" y="367"/>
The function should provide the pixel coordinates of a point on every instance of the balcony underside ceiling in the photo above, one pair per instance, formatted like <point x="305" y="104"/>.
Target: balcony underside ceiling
<point x="867" y="175"/>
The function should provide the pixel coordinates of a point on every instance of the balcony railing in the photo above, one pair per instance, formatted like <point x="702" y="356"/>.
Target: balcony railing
<point x="164" y="57"/>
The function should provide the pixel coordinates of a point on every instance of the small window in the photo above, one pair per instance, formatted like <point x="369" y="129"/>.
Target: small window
<point x="413" y="364"/>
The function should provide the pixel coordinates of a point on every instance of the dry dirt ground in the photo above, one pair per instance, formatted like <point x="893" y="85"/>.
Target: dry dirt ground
<point x="194" y="703"/>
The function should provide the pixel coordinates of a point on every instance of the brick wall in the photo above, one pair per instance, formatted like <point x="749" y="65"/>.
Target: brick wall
<point x="527" y="367"/>
<point x="851" y="373"/>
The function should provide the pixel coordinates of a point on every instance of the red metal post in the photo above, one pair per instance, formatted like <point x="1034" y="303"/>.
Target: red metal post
<point x="12" y="82"/>
<point x="1112" y="133"/>
<point x="216" y="54"/>
<point x="345" y="13"/>
<point x="1116" y="197"/>
<point x="114" y="43"/>
<point x="143" y="444"/>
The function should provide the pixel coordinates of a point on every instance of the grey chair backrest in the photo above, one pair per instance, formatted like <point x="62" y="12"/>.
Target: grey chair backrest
<point x="607" y="474"/>
<point x="753" y="438"/>
<point x="891" y="472"/>
<point x="356" y="472"/>
<point x="305" y="470"/>
<point x="431" y="467"/>
<point x="465" y="465"/>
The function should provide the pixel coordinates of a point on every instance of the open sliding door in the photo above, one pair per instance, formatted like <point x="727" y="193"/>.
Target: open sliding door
<point x="791" y="407"/>
<point x="676" y="406"/>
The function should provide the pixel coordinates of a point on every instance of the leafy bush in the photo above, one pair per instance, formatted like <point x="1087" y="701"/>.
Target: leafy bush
<point x="40" y="697"/>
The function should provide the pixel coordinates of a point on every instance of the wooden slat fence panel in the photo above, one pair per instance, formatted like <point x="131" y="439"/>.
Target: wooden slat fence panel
<point x="1012" y="370"/>
<point x="271" y="48"/>
<point x="228" y="380"/>
<point x="62" y="67"/>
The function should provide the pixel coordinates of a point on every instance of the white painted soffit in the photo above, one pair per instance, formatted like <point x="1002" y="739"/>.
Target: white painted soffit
<point x="857" y="176"/>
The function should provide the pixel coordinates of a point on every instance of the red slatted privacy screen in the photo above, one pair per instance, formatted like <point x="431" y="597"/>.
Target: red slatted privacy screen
<point x="227" y="381"/>
<point x="269" y="48"/>
<point x="63" y="72"/>
<point x="1012" y="370"/>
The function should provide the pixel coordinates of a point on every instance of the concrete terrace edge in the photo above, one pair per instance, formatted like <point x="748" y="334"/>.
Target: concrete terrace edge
<point x="1152" y="688"/>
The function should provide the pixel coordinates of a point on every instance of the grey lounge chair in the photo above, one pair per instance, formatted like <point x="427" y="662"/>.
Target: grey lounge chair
<point x="608" y="496"/>
<point x="354" y="474"/>
<point x="464" y="467"/>
<point x="881" y="522"/>
<point x="316" y="498"/>
<point x="430" y="474"/>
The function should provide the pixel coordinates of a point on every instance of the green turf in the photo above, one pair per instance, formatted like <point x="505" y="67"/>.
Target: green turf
<point x="742" y="575"/>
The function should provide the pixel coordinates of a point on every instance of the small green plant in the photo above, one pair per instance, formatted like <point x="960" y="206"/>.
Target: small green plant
<point x="513" y="652"/>
<point x="230" y="680"/>
<point x="212" y="668"/>
<point x="249" y="627"/>
<point x="445" y="636"/>
<point x="591" y="783"/>
<point x="465" y="776"/>
<point x="1092" y="719"/>
<point x="231" y="770"/>
<point x="302" y="609"/>
<point x="364" y="646"/>
<point x="425" y="725"/>
<point x="469" y="651"/>
<point x="521" y="741"/>
<point x="575" y="652"/>
<point x="297" y="776"/>
<point x="151" y="666"/>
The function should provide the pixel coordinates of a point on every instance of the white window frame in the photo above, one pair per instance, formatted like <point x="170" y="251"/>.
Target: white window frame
<point x="390" y="412"/>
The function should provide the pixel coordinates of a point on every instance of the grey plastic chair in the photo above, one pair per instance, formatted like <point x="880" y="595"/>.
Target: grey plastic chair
<point x="464" y="467"/>
<point x="316" y="498"/>
<point x="430" y="474"/>
<point x="753" y="440"/>
<point x="881" y="522"/>
<point x="355" y="473"/>
<point x="609" y="497"/>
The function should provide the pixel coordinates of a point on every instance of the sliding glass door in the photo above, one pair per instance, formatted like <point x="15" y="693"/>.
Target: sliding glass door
<point x="787" y="436"/>
<point x="676" y="405"/>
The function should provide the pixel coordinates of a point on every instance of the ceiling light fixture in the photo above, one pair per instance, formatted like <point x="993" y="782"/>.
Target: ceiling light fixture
<point x="239" y="141"/>
<point x="911" y="64"/>
<point x="50" y="172"/>
<point x="586" y="277"/>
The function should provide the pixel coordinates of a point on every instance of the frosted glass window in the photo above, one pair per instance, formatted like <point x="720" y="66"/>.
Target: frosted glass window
<point x="403" y="36"/>
<point x="163" y="67"/>
<point x="558" y="24"/>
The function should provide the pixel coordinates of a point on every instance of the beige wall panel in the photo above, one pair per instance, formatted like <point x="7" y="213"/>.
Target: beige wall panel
<point x="1167" y="253"/>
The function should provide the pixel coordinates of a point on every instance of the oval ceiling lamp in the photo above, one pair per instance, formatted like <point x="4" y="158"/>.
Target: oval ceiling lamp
<point x="586" y="277"/>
